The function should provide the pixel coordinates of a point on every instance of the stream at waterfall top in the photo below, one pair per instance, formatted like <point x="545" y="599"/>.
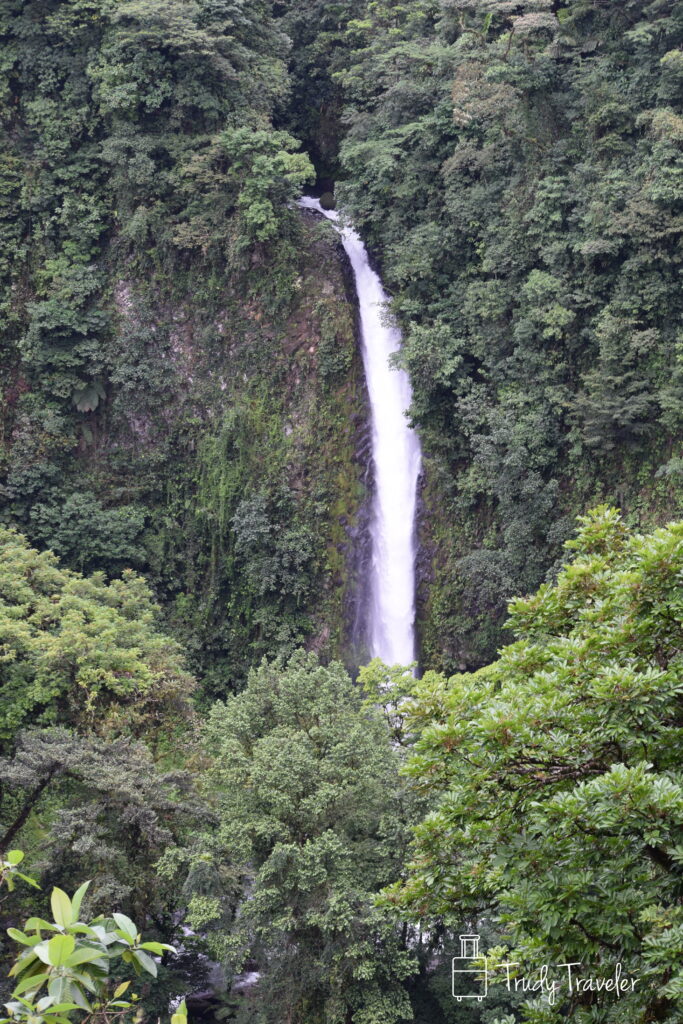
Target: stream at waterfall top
<point x="396" y="460"/>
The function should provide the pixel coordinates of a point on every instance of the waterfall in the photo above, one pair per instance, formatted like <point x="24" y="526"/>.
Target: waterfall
<point x="396" y="462"/>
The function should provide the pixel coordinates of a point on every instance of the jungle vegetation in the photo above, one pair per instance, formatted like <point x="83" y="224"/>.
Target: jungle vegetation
<point x="518" y="167"/>
<point x="183" y="481"/>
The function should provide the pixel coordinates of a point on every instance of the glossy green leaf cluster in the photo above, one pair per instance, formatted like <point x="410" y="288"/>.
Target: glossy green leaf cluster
<point x="65" y="963"/>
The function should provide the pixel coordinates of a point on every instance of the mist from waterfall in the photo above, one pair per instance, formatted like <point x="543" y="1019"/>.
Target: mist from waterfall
<point x="396" y="463"/>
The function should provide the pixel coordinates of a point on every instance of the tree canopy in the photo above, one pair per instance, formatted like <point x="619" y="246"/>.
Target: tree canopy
<point x="185" y="500"/>
<point x="82" y="651"/>
<point x="557" y="777"/>
<point x="311" y="826"/>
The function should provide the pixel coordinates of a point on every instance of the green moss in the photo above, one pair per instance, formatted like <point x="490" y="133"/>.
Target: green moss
<point x="264" y="444"/>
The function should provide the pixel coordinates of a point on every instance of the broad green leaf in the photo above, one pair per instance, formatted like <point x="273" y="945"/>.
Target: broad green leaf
<point x="78" y="899"/>
<point x="126" y="926"/>
<point x="105" y="937"/>
<point x="28" y="984"/>
<point x="83" y="956"/>
<point x="26" y="964"/>
<point x="41" y="951"/>
<point x="85" y="981"/>
<point x="78" y="996"/>
<point x="120" y="989"/>
<point x="145" y="962"/>
<point x="58" y="987"/>
<point x="37" y="923"/>
<point x="61" y="907"/>
<point x="157" y="947"/>
<point x="59" y="949"/>
<point x="15" y="857"/>
<point x="18" y="936"/>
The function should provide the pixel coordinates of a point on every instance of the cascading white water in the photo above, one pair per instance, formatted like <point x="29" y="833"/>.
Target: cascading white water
<point x="396" y="457"/>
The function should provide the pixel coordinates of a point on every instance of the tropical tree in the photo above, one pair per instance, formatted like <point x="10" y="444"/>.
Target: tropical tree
<point x="84" y="805"/>
<point x="557" y="777"/>
<point x="82" y="651"/>
<point x="103" y="793"/>
<point x="311" y="826"/>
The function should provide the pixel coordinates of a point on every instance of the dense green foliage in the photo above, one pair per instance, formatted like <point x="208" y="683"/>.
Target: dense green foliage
<point x="311" y="824"/>
<point x="518" y="168"/>
<point x="558" y="777"/>
<point x="164" y="352"/>
<point x="94" y="703"/>
<point x="183" y="423"/>
<point x="554" y="776"/>
<point x="81" y="651"/>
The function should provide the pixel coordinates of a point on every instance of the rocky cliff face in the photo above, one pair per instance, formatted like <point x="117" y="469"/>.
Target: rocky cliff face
<point x="225" y="457"/>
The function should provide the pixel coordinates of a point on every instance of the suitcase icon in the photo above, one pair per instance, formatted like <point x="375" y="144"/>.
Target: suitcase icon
<point x="469" y="969"/>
